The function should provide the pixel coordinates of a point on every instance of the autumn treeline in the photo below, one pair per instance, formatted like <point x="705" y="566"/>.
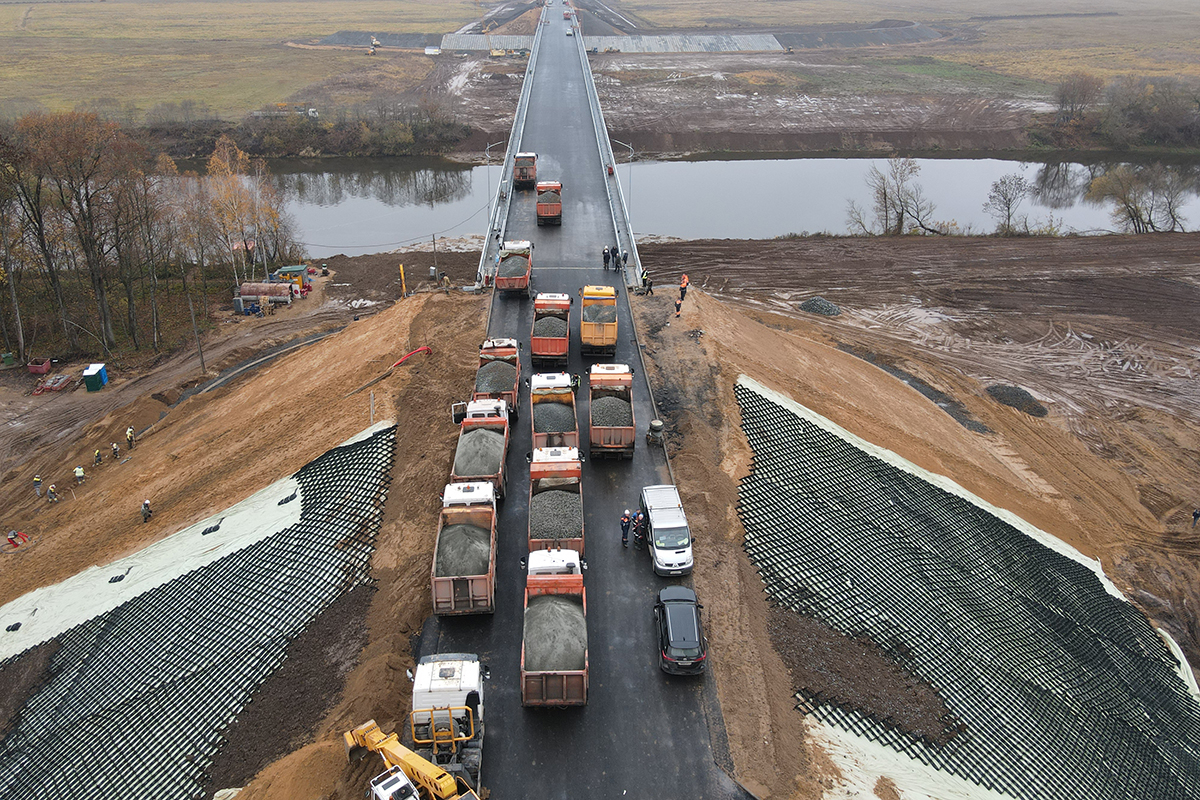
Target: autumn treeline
<point x="106" y="246"/>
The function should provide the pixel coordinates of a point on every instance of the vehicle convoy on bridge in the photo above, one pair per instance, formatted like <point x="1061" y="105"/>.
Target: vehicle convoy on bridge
<point x="549" y="203"/>
<point x="499" y="374"/>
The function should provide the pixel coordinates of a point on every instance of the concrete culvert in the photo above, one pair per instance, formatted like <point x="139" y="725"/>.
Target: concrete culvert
<point x="553" y="418"/>
<point x="819" y="305"/>
<point x="479" y="452"/>
<point x="556" y="514"/>
<point x="611" y="412"/>
<point x="495" y="376"/>
<point x="513" y="267"/>
<point x="599" y="313"/>
<point x="555" y="634"/>
<point x="1017" y="398"/>
<point x="550" y="326"/>
<point x="463" y="550"/>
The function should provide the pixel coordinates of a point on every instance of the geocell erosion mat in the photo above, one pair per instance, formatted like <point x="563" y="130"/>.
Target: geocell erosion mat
<point x="1058" y="687"/>
<point x="133" y="702"/>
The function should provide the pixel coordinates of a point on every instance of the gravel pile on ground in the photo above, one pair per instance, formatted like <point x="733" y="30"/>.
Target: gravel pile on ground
<point x="611" y="412"/>
<point x="599" y="313"/>
<point x="463" y="550"/>
<point x="1017" y="398"/>
<point x="550" y="326"/>
<point x="513" y="267"/>
<point x="495" y="376"/>
<point x="556" y="514"/>
<point x="479" y="452"/>
<point x="553" y="418"/>
<point x="555" y="634"/>
<point x="819" y="305"/>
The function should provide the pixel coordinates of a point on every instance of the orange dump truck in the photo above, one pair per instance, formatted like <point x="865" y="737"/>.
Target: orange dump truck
<point x="598" y="320"/>
<point x="549" y="341"/>
<point x="554" y="653"/>
<point x="610" y="411"/>
<point x="482" y="444"/>
<point x="464" y="555"/>
<point x="496" y="382"/>
<point x="555" y="499"/>
<point x="514" y="267"/>
<point x="553" y="418"/>
<point x="549" y="203"/>
<point x="525" y="170"/>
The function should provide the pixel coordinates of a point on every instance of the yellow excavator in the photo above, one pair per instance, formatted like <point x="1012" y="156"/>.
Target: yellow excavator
<point x="408" y="775"/>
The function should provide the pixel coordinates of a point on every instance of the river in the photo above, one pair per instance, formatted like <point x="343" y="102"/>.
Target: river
<point x="358" y="206"/>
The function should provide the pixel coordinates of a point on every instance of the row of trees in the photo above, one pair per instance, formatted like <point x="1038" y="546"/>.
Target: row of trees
<point x="1131" y="110"/>
<point x="95" y="229"/>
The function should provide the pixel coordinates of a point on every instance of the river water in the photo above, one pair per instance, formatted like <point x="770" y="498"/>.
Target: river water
<point x="358" y="206"/>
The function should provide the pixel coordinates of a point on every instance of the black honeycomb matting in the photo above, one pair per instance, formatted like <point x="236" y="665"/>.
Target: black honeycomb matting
<point x="136" y="698"/>
<point x="1064" y="690"/>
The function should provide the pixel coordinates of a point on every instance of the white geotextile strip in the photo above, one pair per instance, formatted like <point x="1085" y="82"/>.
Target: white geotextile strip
<point x="46" y="612"/>
<point x="940" y="481"/>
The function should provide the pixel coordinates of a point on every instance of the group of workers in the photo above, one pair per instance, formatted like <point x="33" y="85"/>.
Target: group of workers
<point x="635" y="522"/>
<point x="81" y="477"/>
<point x="616" y="257"/>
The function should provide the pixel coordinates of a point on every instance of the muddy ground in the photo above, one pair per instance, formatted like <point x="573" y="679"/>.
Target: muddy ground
<point x="1100" y="330"/>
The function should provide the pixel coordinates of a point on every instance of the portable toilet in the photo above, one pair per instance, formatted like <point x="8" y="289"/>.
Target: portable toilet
<point x="95" y="377"/>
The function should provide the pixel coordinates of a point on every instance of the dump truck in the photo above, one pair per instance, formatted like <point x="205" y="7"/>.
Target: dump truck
<point x="610" y="411"/>
<point x="566" y="15"/>
<point x="482" y="444"/>
<point x="556" y="499"/>
<point x="552" y="406"/>
<point x="514" y="267"/>
<point x="549" y="341"/>
<point x="549" y="203"/>
<point x="463" y="576"/>
<point x="446" y="723"/>
<point x="554" y="657"/>
<point x="525" y="170"/>
<point x="598" y="321"/>
<point x="499" y="374"/>
<point x="405" y="769"/>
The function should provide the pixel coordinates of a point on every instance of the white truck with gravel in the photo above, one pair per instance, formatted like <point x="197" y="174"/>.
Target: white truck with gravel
<point x="552" y="405"/>
<point x="556" y="499"/>
<point x="463" y="578"/>
<point x="499" y="374"/>
<point x="610" y="411"/>
<point x="447" y="714"/>
<point x="482" y="444"/>
<point x="554" y="653"/>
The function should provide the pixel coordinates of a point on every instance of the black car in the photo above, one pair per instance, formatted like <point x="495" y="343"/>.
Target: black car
<point x="682" y="648"/>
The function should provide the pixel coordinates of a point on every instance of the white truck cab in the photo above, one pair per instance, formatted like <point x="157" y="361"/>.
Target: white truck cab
<point x="469" y="494"/>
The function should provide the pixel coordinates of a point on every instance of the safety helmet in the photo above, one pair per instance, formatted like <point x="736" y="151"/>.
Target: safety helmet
<point x="627" y="512"/>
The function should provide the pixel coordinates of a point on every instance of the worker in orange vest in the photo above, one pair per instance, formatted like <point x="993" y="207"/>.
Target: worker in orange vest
<point x="683" y="284"/>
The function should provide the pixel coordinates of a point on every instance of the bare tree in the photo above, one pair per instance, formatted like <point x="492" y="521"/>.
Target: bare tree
<point x="898" y="203"/>
<point x="1006" y="196"/>
<point x="10" y="243"/>
<point x="1076" y="94"/>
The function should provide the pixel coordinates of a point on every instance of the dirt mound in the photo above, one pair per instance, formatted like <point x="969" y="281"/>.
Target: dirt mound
<point x="1017" y="398"/>
<point x="819" y="305"/>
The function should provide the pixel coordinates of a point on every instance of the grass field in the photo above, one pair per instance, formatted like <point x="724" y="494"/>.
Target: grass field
<point x="229" y="55"/>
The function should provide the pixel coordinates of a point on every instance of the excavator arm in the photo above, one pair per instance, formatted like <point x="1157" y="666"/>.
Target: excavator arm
<point x="432" y="781"/>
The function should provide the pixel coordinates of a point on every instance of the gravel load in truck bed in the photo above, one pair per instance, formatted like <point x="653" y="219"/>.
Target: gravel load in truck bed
<point x="611" y="412"/>
<point x="495" y="376"/>
<point x="463" y="550"/>
<point x="549" y="197"/>
<point x="513" y="267"/>
<point x="599" y="313"/>
<point x="556" y="514"/>
<point x="550" y="326"/>
<point x="479" y="452"/>
<point x="555" y="634"/>
<point x="553" y="418"/>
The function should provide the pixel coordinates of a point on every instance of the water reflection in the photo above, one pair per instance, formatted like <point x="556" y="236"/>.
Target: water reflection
<point x="392" y="183"/>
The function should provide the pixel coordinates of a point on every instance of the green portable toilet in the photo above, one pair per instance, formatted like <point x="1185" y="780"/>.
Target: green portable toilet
<point x="95" y="377"/>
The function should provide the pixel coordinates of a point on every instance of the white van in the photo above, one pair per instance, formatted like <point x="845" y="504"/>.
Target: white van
<point x="670" y="541"/>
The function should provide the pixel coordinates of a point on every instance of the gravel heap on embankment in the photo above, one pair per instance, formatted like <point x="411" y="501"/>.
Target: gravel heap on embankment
<point x="1017" y="398"/>
<point x="819" y="305"/>
<point x="556" y="514"/>
<point x="463" y="550"/>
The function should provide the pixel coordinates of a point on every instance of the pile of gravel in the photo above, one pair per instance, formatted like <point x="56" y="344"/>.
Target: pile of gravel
<point x="555" y="634"/>
<point x="611" y="412"/>
<point x="553" y="418"/>
<point x="556" y="514"/>
<point x="463" y="550"/>
<point x="549" y="197"/>
<point x="479" y="452"/>
<point x="819" y="305"/>
<point x="495" y="376"/>
<point x="599" y="313"/>
<point x="1017" y="398"/>
<point x="550" y="326"/>
<point x="513" y="267"/>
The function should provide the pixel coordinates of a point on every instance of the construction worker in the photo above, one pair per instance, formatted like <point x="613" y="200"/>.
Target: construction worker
<point x="445" y="281"/>
<point x="678" y="306"/>
<point x="52" y="493"/>
<point x="129" y="437"/>
<point x="626" y="521"/>
<point x="79" y="476"/>
<point x="683" y="284"/>
<point x="606" y="257"/>
<point x="575" y="383"/>
<point x="37" y="484"/>
<point x="649" y="282"/>
<point x="146" y="512"/>
<point x="98" y="458"/>
<point x="116" y="452"/>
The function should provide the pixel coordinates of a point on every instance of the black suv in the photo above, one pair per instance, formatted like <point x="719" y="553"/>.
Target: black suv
<point x="682" y="648"/>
